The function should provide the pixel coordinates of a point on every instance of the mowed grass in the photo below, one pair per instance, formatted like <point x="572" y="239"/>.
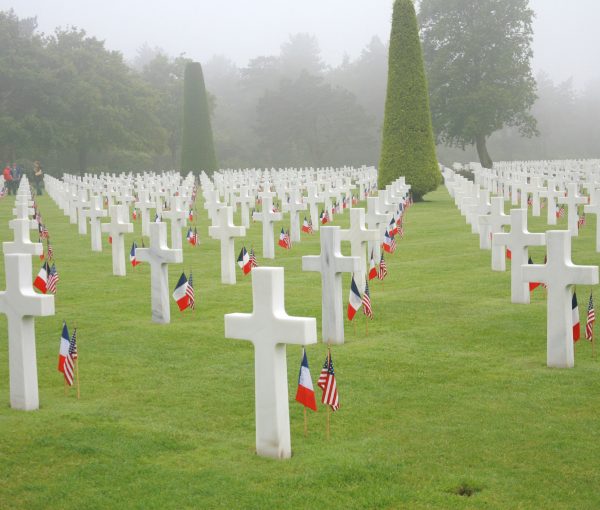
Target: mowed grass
<point x="448" y="393"/>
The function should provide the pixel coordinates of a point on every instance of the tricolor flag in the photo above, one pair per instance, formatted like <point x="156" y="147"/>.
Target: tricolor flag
<point x="52" y="280"/>
<point x="41" y="280"/>
<point x="305" y="394"/>
<point x="382" y="269"/>
<point x="132" y="258"/>
<point x="575" y="316"/>
<point x="134" y="214"/>
<point x="389" y="244"/>
<point x="373" y="268"/>
<point x="244" y="261"/>
<point x="63" y="350"/>
<point x="195" y="240"/>
<point x="591" y="318"/>
<point x="156" y="218"/>
<point x="366" y="301"/>
<point x="191" y="215"/>
<point x="306" y="228"/>
<point x="392" y="228"/>
<point x="508" y="254"/>
<point x="180" y="294"/>
<point x="328" y="384"/>
<point x="190" y="292"/>
<point x="188" y="236"/>
<point x="532" y="285"/>
<point x="354" y="300"/>
<point x="324" y="217"/>
<point x="284" y="239"/>
<point x="109" y="239"/>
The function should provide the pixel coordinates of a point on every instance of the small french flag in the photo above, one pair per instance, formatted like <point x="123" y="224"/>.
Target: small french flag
<point x="63" y="351"/>
<point x="180" y="294"/>
<point x="575" y="315"/>
<point x="355" y="300"/>
<point x="41" y="280"/>
<point x="305" y="394"/>
<point x="132" y="258"/>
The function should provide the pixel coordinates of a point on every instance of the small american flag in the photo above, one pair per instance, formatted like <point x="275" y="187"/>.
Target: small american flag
<point x="581" y="221"/>
<point x="591" y="318"/>
<point x="253" y="262"/>
<point x="382" y="269"/>
<point x="561" y="212"/>
<point x="53" y="279"/>
<point x="43" y="231"/>
<point x="189" y="290"/>
<point x="366" y="301"/>
<point x="327" y="383"/>
<point x="70" y="359"/>
<point x="288" y="240"/>
<point x="530" y="201"/>
<point x="73" y="345"/>
<point x="50" y="251"/>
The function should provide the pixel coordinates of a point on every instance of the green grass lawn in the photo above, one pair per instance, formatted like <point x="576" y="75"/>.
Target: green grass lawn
<point x="448" y="390"/>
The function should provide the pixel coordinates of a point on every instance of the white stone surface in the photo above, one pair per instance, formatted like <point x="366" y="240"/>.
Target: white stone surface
<point x="21" y="304"/>
<point x="594" y="208"/>
<point x="496" y="221"/>
<point x="572" y="200"/>
<point x="331" y="264"/>
<point x="158" y="255"/>
<point x="518" y="241"/>
<point x="117" y="227"/>
<point x="22" y="241"/>
<point x="270" y="328"/>
<point x="225" y="231"/>
<point x="95" y="212"/>
<point x="559" y="274"/>
<point x="267" y="217"/>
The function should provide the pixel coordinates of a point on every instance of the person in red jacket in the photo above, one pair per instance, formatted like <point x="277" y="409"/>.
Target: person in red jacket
<point x="8" y="179"/>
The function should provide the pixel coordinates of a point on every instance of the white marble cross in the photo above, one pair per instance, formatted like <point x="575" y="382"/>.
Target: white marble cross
<point x="22" y="242"/>
<point x="494" y="223"/>
<point x="158" y="255"/>
<point x="245" y="199"/>
<point x="225" y="231"/>
<point x="551" y="194"/>
<point x="594" y="208"/>
<point x="313" y="199"/>
<point x="270" y="328"/>
<point x="117" y="227"/>
<point x="376" y="220"/>
<point x="83" y="207"/>
<point x="144" y="204"/>
<point x="95" y="212"/>
<point x="21" y="304"/>
<point x="177" y="215"/>
<point x="359" y="237"/>
<point x="518" y="241"/>
<point x="331" y="264"/>
<point x="267" y="217"/>
<point x="572" y="200"/>
<point x="560" y="274"/>
<point x="295" y="207"/>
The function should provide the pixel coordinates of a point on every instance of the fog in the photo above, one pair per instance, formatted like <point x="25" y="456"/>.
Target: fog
<point x="566" y="38"/>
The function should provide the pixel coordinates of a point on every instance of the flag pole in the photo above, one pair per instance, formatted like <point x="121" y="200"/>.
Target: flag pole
<point x="77" y="375"/>
<point x="366" y="325"/>
<point x="305" y="422"/>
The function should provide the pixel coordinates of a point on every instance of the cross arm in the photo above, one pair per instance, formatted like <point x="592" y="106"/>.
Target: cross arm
<point x="311" y="263"/>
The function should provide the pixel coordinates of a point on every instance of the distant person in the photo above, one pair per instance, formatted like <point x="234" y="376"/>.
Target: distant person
<point x="6" y="173"/>
<point x="38" y="177"/>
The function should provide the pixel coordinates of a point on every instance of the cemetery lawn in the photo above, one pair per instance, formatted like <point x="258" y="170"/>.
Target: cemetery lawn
<point x="449" y="393"/>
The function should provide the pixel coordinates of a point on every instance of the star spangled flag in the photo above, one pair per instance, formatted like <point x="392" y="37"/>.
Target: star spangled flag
<point x="373" y="268"/>
<point x="53" y="280"/>
<point x="529" y="201"/>
<point x="63" y="350"/>
<point x="328" y="384"/>
<point x="591" y="318"/>
<point x="132" y="256"/>
<point x="560" y="212"/>
<point x="580" y="221"/>
<point x="354" y="300"/>
<point x="244" y="261"/>
<point x="382" y="269"/>
<point x="190" y="292"/>
<point x="392" y="228"/>
<point x="49" y="250"/>
<point x="180" y="294"/>
<point x="366" y="302"/>
<point x="285" y="240"/>
<point x="389" y="244"/>
<point x="575" y="317"/>
<point x="41" y="280"/>
<point x="253" y="262"/>
<point x="324" y="217"/>
<point x="305" y="226"/>
<point x="43" y="231"/>
<point x="305" y="394"/>
<point x="532" y="285"/>
<point x="70" y="358"/>
<point x="288" y="239"/>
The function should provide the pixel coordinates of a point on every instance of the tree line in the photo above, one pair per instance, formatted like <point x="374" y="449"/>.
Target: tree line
<point x="68" y="101"/>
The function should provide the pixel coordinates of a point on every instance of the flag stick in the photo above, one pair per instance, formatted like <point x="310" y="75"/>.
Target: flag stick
<point x="328" y="425"/>
<point x="593" y="347"/>
<point x="305" y="422"/>
<point x="77" y="375"/>
<point x="366" y="325"/>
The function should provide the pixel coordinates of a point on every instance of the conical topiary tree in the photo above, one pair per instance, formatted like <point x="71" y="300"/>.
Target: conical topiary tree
<point x="197" y="149"/>
<point x="408" y="148"/>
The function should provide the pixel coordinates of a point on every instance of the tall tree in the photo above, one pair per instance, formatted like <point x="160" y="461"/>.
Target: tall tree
<point x="197" y="148"/>
<point x="478" y="60"/>
<point x="407" y="147"/>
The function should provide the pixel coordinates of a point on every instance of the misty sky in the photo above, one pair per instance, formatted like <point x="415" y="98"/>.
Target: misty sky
<point x="567" y="38"/>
